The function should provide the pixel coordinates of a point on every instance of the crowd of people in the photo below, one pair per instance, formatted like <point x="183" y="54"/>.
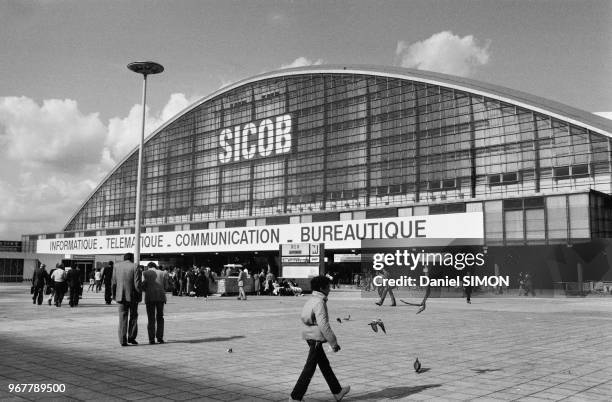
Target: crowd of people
<point x="55" y="284"/>
<point x="195" y="281"/>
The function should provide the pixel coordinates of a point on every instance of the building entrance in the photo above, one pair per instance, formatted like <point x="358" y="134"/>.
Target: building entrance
<point x="86" y="267"/>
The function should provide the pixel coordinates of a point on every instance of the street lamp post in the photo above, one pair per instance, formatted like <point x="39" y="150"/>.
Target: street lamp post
<point x="145" y="68"/>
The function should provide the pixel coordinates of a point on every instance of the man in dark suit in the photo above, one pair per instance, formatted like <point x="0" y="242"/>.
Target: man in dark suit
<point x="107" y="277"/>
<point x="39" y="279"/>
<point x="126" y="282"/>
<point x="154" y="284"/>
<point x="73" y="280"/>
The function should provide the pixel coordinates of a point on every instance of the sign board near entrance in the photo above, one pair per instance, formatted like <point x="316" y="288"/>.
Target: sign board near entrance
<point x="301" y="260"/>
<point x="420" y="230"/>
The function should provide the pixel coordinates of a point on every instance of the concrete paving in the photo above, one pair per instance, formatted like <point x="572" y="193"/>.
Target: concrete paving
<point x="526" y="349"/>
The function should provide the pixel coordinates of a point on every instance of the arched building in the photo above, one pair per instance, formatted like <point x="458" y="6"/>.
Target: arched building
<point x="302" y="154"/>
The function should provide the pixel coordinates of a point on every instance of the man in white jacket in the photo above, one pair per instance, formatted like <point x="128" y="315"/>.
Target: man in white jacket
<point x="318" y="331"/>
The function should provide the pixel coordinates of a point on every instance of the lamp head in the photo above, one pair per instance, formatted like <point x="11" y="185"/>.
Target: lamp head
<point x="146" y="67"/>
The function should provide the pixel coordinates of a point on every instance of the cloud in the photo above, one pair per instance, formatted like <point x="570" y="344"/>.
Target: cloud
<point x="55" y="133"/>
<point x="52" y="156"/>
<point x="302" y="62"/>
<point x="607" y="115"/>
<point x="444" y="52"/>
<point x="124" y="133"/>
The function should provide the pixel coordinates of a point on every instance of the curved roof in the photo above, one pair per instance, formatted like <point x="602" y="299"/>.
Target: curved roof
<point x="545" y="106"/>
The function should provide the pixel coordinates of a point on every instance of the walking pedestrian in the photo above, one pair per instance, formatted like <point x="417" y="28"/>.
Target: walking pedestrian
<point x="126" y="282"/>
<point x="210" y="276"/>
<point x="385" y="288"/>
<point x="261" y="278"/>
<point x="318" y="331"/>
<point x="256" y="283"/>
<point x="242" y="277"/>
<point x="39" y="279"/>
<point x="92" y="283"/>
<point x="107" y="278"/>
<point x="59" y="284"/>
<point x="201" y="283"/>
<point x="98" y="280"/>
<point x="154" y="283"/>
<point x="269" y="280"/>
<point x="50" y="288"/>
<point x="73" y="281"/>
<point x="529" y="285"/>
<point x="190" y="279"/>
<point x="182" y="281"/>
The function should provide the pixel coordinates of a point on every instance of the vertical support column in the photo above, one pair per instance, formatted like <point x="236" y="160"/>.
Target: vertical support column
<point x="123" y="192"/>
<point x="496" y="269"/>
<point x="580" y="278"/>
<point x="368" y="142"/>
<point x="536" y="149"/>
<point x="472" y="150"/>
<point x="139" y="177"/>
<point x="417" y="146"/>
<point x="610" y="162"/>
<point x="165" y="210"/>
<point x="221" y="166"/>
<point x="325" y="150"/>
<point x="292" y="152"/>
<point x="250" y="199"/>
<point x="193" y="163"/>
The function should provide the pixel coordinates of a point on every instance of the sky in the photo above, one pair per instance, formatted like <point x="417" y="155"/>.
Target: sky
<point x="70" y="110"/>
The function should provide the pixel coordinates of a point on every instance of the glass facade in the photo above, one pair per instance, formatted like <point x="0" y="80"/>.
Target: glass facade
<point x="359" y="142"/>
<point x="11" y="270"/>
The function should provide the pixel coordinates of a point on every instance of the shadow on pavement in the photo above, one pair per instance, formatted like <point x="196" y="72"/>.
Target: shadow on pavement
<point x="102" y="377"/>
<point x="483" y="371"/>
<point x="215" y="339"/>
<point x="394" y="392"/>
<point x="92" y="305"/>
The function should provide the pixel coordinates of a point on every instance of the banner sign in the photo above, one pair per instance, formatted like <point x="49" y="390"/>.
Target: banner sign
<point x="421" y="230"/>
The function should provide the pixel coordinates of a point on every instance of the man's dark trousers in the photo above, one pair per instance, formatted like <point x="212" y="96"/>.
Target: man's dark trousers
<point x="74" y="295"/>
<point x="316" y="356"/>
<point x="155" y="316"/>
<point x="128" y="321"/>
<point x="108" y="292"/>
<point x="383" y="295"/>
<point x="38" y="295"/>
<point x="60" y="290"/>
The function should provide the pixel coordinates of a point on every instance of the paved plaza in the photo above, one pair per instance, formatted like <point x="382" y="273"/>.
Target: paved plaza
<point x="511" y="348"/>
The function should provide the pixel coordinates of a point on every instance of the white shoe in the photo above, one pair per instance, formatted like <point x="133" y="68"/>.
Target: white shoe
<point x="343" y="392"/>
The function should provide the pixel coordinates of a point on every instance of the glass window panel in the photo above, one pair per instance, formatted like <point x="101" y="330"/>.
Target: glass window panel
<point x="514" y="225"/>
<point x="579" y="215"/>
<point x="493" y="220"/>
<point x="534" y="221"/>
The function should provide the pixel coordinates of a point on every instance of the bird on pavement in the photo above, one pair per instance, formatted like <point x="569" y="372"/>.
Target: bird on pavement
<point x="381" y="325"/>
<point x="374" y="325"/>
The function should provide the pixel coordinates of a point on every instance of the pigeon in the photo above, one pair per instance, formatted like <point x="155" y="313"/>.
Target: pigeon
<point x="382" y="326"/>
<point x="417" y="365"/>
<point x="229" y="350"/>
<point x="339" y="320"/>
<point x="374" y="326"/>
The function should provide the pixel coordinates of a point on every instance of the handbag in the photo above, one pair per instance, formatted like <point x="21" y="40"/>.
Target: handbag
<point x="32" y="290"/>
